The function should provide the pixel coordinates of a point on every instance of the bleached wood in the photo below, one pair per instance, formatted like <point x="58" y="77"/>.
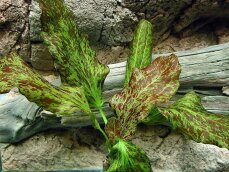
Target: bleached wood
<point x="205" y="67"/>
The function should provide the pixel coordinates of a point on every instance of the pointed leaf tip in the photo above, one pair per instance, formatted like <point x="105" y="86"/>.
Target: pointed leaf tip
<point x="141" y="49"/>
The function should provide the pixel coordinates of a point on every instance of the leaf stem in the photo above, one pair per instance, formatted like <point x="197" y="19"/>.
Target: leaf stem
<point x="103" y="115"/>
<point x="98" y="127"/>
<point x="105" y="135"/>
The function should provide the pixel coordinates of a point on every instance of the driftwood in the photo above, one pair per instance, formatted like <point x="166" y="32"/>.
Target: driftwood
<point x="205" y="67"/>
<point x="208" y="67"/>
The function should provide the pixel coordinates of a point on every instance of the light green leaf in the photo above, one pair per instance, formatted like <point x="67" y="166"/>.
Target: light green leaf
<point x="141" y="49"/>
<point x="62" y="101"/>
<point x="189" y="117"/>
<point x="125" y="156"/>
<point x="71" y="51"/>
<point x="155" y="118"/>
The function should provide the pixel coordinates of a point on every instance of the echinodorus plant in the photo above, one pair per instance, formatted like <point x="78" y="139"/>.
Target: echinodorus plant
<point x="77" y="63"/>
<point x="146" y="84"/>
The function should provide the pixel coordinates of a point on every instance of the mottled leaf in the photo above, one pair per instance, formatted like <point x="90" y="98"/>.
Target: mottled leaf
<point x="71" y="51"/>
<point x="154" y="84"/>
<point x="155" y="118"/>
<point x="127" y="157"/>
<point x="141" y="50"/>
<point x="190" y="118"/>
<point x="62" y="101"/>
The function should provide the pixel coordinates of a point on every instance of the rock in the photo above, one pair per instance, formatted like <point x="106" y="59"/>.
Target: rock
<point x="161" y="13"/>
<point x="41" y="59"/>
<point x="222" y="32"/>
<point x="175" y="153"/>
<point x="53" y="150"/>
<point x="102" y="21"/>
<point x="34" y="20"/>
<point x="62" y="149"/>
<point x="1" y="147"/>
<point x="112" y="55"/>
<point x="110" y="22"/>
<point x="194" y="42"/>
<point x="24" y="49"/>
<point x="202" y="11"/>
<point x="13" y="20"/>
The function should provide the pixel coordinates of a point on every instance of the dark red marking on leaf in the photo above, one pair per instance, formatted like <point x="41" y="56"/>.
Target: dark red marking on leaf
<point x="7" y="69"/>
<point x="153" y="84"/>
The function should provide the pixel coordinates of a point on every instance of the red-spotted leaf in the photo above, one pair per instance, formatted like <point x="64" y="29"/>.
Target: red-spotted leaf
<point x="62" y="101"/>
<point x="156" y="83"/>
<point x="77" y="63"/>
<point x="189" y="117"/>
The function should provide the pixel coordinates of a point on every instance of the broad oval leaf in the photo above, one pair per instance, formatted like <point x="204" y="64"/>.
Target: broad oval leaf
<point x="141" y="50"/>
<point x="62" y="101"/>
<point x="189" y="117"/>
<point x="154" y="84"/>
<point x="71" y="51"/>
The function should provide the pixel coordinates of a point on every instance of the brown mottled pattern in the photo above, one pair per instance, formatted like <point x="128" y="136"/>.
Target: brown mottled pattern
<point x="63" y="101"/>
<point x="71" y="51"/>
<point x="191" y="119"/>
<point x="156" y="83"/>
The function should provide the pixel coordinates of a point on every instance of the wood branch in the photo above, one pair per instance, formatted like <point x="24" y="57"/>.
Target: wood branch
<point x="205" y="67"/>
<point x="21" y="118"/>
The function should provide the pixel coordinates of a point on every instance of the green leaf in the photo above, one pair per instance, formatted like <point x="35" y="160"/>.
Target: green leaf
<point x="62" y="101"/>
<point x="154" y="84"/>
<point x="190" y="118"/>
<point x="155" y="118"/>
<point x="141" y="50"/>
<point x="125" y="156"/>
<point x="71" y="51"/>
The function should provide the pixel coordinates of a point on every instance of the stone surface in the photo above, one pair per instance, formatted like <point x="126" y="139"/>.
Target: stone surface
<point x="112" y="55"/>
<point x="222" y="33"/>
<point x="41" y="59"/>
<point x="194" y="42"/>
<point x="175" y="153"/>
<point x="111" y="23"/>
<point x="34" y="21"/>
<point x="104" y="21"/>
<point x="161" y="13"/>
<point x="13" y="23"/>
<point x="54" y="150"/>
<point x="84" y="148"/>
<point x="202" y="12"/>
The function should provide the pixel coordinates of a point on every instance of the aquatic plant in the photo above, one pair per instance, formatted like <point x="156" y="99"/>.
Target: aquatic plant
<point x="62" y="101"/>
<point x="146" y="84"/>
<point x="76" y="61"/>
